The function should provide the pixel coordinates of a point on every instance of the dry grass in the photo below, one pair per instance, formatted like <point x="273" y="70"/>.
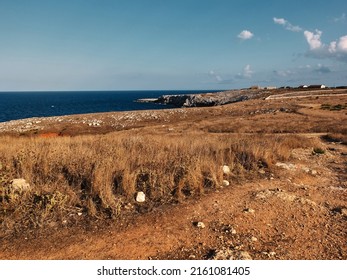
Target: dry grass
<point x="100" y="175"/>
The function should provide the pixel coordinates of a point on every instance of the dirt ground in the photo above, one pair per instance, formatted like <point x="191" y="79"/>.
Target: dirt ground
<point x="297" y="212"/>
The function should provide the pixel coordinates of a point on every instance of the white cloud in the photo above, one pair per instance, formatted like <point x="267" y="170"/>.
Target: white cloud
<point x="342" y="44"/>
<point x="313" y="39"/>
<point x="287" y="25"/>
<point x="217" y="77"/>
<point x="335" y="49"/>
<point x="245" y="35"/>
<point x="280" y="21"/>
<point x="246" y="73"/>
<point x="332" y="47"/>
<point x="283" y="73"/>
<point x="341" y="18"/>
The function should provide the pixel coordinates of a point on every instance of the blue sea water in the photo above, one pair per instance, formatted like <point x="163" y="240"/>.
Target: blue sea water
<point x="20" y="105"/>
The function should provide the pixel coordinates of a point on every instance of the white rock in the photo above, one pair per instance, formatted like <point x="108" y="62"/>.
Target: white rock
<point x="226" y="169"/>
<point x="200" y="225"/>
<point x="225" y="183"/>
<point x="288" y="166"/>
<point x="140" y="197"/>
<point x="20" y="185"/>
<point x="249" y="210"/>
<point x="306" y="169"/>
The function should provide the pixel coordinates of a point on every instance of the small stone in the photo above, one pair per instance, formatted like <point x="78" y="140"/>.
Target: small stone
<point x="79" y="213"/>
<point x="272" y="254"/>
<point x="200" y="225"/>
<point x="226" y="183"/>
<point x="249" y="210"/>
<point x="254" y="239"/>
<point x="226" y="169"/>
<point x="233" y="231"/>
<point x="288" y="166"/>
<point x="314" y="172"/>
<point x="261" y="171"/>
<point x="140" y="197"/>
<point x="20" y="185"/>
<point x="306" y="169"/>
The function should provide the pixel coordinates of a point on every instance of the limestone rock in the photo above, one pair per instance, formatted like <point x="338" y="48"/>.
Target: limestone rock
<point x="225" y="183"/>
<point x="249" y="210"/>
<point x="226" y="169"/>
<point x="288" y="166"/>
<point x="200" y="225"/>
<point x="140" y="197"/>
<point x="20" y="185"/>
<point x="228" y="254"/>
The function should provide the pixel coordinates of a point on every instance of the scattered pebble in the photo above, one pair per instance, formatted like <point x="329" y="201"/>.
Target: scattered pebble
<point x="140" y="197"/>
<point x="200" y="225"/>
<point x="249" y="210"/>
<point x="226" y="169"/>
<point x="225" y="183"/>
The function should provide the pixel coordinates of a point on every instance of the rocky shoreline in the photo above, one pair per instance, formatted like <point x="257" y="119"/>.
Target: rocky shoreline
<point x="206" y="99"/>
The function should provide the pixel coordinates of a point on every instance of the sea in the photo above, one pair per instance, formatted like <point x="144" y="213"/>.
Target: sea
<point x="21" y="105"/>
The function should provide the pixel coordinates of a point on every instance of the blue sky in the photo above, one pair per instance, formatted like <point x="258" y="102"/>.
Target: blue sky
<point x="188" y="44"/>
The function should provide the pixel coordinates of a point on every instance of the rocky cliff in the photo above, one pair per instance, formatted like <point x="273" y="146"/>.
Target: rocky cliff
<point x="209" y="99"/>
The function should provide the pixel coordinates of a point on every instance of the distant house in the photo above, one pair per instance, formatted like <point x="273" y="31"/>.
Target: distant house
<point x="316" y="86"/>
<point x="270" y="87"/>
<point x="303" y="86"/>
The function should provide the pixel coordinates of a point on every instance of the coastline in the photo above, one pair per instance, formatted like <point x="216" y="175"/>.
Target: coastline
<point x="104" y="122"/>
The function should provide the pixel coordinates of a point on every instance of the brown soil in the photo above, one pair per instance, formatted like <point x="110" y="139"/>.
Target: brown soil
<point x="299" y="212"/>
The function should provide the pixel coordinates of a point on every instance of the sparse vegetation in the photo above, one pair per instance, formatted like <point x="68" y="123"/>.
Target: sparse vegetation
<point x="336" y="107"/>
<point x="99" y="175"/>
<point x="318" y="151"/>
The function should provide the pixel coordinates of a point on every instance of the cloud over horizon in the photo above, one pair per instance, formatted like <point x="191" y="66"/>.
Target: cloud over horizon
<point x="287" y="25"/>
<point x="245" y="35"/>
<point x="317" y="49"/>
<point x="246" y="73"/>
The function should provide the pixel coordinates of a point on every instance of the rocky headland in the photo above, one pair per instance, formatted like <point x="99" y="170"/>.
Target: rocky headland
<point x="208" y="99"/>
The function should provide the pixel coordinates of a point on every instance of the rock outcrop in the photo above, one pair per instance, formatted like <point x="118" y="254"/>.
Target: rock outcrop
<point x="208" y="99"/>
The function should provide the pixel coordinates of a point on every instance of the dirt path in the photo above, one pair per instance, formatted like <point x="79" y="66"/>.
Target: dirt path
<point x="298" y="213"/>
